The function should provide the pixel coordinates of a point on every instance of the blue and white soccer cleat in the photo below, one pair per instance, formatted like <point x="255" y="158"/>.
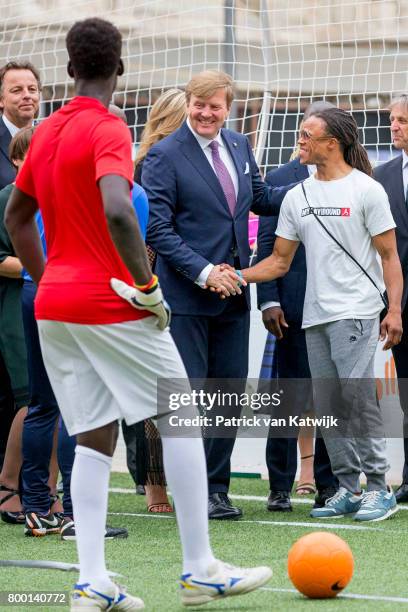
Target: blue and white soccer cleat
<point x="377" y="506"/>
<point x="85" y="597"/>
<point x="223" y="581"/>
<point x="342" y="503"/>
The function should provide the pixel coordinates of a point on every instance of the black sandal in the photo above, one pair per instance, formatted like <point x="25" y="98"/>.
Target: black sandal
<point x="13" y="518"/>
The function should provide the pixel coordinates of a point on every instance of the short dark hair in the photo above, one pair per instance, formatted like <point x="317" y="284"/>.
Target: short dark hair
<point x="19" y="66"/>
<point x="94" y="47"/>
<point x="20" y="143"/>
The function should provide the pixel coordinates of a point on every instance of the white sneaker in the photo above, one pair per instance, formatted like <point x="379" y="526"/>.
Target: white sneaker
<point x="85" y="598"/>
<point x="223" y="581"/>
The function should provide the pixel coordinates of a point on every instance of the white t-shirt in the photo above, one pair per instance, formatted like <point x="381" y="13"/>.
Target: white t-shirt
<point x="353" y="208"/>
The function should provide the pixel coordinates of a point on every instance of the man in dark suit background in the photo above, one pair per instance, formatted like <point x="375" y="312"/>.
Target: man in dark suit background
<point x="19" y="103"/>
<point x="393" y="176"/>
<point x="201" y="183"/>
<point x="281" y="302"/>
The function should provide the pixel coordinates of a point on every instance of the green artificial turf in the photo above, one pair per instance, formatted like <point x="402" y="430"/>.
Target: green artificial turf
<point x="150" y="558"/>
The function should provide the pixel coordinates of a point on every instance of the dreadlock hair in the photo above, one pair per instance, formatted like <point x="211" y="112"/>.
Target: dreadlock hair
<point x="342" y="126"/>
<point x="312" y="109"/>
<point x="318" y="106"/>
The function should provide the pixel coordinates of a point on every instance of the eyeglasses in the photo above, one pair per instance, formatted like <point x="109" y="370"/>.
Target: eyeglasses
<point x="305" y="135"/>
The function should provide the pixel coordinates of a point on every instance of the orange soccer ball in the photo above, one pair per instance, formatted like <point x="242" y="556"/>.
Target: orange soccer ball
<point x="320" y="564"/>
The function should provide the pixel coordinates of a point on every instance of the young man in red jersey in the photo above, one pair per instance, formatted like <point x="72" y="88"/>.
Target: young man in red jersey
<point x="102" y="346"/>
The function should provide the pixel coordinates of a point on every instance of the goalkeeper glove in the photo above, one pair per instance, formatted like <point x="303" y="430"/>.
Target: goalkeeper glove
<point x="151" y="299"/>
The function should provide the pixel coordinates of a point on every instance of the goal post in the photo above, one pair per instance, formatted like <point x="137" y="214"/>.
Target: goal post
<point x="281" y="55"/>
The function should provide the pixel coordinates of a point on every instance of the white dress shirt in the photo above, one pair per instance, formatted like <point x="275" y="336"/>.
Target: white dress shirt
<point x="13" y="129"/>
<point x="311" y="169"/>
<point x="229" y="164"/>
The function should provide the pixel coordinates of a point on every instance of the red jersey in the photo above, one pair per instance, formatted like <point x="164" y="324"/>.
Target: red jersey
<point x="69" y="153"/>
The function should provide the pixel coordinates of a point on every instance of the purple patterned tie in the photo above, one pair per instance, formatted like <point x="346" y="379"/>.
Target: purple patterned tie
<point x="223" y="176"/>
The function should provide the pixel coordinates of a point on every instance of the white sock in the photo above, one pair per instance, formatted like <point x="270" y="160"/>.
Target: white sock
<point x="89" y="492"/>
<point x="186" y="474"/>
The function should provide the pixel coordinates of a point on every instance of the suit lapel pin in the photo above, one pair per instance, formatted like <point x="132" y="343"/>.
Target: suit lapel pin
<point x="235" y="144"/>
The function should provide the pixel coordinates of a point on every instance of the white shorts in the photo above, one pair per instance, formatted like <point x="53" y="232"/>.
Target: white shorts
<point x="100" y="373"/>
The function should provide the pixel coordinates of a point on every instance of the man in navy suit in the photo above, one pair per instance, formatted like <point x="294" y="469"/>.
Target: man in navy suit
<point x="393" y="176"/>
<point x="19" y="103"/>
<point x="201" y="183"/>
<point x="281" y="302"/>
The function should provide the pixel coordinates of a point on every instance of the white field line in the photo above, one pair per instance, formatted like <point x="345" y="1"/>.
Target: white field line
<point x="151" y="515"/>
<point x="314" y="525"/>
<point x="294" y="500"/>
<point x="346" y="595"/>
<point x="121" y="490"/>
<point x="286" y="524"/>
<point x="307" y="525"/>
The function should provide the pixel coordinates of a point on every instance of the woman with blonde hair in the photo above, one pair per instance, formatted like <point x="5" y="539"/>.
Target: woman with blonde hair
<point x="166" y="116"/>
<point x="144" y="447"/>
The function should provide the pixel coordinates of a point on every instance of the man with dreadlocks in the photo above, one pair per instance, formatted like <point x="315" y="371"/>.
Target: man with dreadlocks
<point x="338" y="209"/>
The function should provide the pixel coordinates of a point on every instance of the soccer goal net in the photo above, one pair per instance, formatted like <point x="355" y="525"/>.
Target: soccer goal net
<point x="282" y="55"/>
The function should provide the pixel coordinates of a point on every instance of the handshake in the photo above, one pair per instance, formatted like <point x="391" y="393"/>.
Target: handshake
<point x="225" y="280"/>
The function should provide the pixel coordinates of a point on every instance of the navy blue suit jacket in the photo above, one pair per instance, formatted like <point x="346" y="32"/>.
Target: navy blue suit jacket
<point x="290" y="289"/>
<point x="190" y="224"/>
<point x="7" y="170"/>
<point x="390" y="177"/>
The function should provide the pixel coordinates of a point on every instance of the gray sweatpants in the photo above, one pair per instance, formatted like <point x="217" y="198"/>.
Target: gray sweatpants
<point x="342" y="351"/>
